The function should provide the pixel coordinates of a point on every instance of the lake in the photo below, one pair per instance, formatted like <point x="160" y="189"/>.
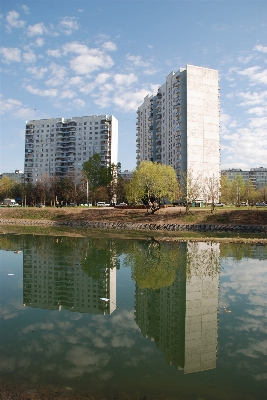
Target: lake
<point x="141" y="319"/>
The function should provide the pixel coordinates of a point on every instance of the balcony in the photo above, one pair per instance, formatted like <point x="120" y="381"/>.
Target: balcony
<point x="159" y="116"/>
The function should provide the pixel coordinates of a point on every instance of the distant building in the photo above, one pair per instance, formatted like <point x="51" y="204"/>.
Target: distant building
<point x="179" y="126"/>
<point x="126" y="174"/>
<point x="258" y="176"/>
<point x="17" y="176"/>
<point x="59" y="146"/>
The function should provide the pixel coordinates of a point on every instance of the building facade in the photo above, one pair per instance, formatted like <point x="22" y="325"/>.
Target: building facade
<point x="17" y="176"/>
<point x="258" y="176"/>
<point x="179" y="126"/>
<point x="59" y="146"/>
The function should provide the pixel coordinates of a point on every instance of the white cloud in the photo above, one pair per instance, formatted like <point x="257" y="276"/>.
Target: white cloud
<point x="78" y="103"/>
<point x="25" y="9"/>
<point x="10" y="54"/>
<point x="29" y="57"/>
<point x="245" y="60"/>
<point x="13" y="21"/>
<point x="53" y="53"/>
<point x="110" y="46"/>
<point x="252" y="98"/>
<point x="102" y="78"/>
<point x="255" y="75"/>
<point x="88" y="59"/>
<point x="67" y="94"/>
<point x="68" y="24"/>
<point x="17" y="110"/>
<point x="124" y="79"/>
<point x="42" y="93"/>
<point x="36" y="72"/>
<point x="259" y="111"/>
<point x="262" y="49"/>
<point x="37" y="29"/>
<point x="137" y="61"/>
<point x="75" y="80"/>
<point x="151" y="71"/>
<point x="39" y="42"/>
<point x="58" y="75"/>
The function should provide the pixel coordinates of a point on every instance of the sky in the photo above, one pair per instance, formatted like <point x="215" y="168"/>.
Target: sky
<point x="75" y="58"/>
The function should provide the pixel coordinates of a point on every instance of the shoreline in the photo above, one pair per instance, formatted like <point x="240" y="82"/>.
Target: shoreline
<point x="183" y="231"/>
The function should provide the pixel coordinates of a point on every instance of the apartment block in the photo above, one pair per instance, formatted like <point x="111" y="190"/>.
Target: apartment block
<point x="59" y="146"/>
<point x="17" y="176"/>
<point x="179" y="126"/>
<point x="258" y="176"/>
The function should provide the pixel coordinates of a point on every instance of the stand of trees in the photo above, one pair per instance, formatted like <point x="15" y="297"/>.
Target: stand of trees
<point x="152" y="184"/>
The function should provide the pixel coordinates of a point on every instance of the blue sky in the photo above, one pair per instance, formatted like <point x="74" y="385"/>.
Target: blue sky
<point x="73" y="58"/>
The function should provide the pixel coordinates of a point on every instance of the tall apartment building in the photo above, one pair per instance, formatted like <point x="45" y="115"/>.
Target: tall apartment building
<point x="258" y="176"/>
<point x="58" y="146"/>
<point x="179" y="126"/>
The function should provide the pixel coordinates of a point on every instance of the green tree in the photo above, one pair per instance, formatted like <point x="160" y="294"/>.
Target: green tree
<point x="225" y="189"/>
<point x="238" y="190"/>
<point x="6" y="185"/>
<point x="151" y="183"/>
<point x="98" y="176"/>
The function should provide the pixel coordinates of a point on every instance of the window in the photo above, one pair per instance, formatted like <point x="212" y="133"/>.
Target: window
<point x="85" y="123"/>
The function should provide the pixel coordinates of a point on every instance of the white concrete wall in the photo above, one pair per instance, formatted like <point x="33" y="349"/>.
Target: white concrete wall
<point x="203" y="138"/>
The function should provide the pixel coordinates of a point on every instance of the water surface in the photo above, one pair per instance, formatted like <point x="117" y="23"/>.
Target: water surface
<point x="141" y="317"/>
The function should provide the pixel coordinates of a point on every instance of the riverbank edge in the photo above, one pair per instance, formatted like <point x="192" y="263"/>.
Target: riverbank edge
<point x="140" y="226"/>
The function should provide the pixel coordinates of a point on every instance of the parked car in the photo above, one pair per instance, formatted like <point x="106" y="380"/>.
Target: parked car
<point x="219" y="204"/>
<point x="101" y="204"/>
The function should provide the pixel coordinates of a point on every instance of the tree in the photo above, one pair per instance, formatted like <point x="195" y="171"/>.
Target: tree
<point x="238" y="189"/>
<point x="225" y="189"/>
<point x="151" y="183"/>
<point x="211" y="190"/>
<point x="6" y="185"/>
<point x="191" y="188"/>
<point x="97" y="175"/>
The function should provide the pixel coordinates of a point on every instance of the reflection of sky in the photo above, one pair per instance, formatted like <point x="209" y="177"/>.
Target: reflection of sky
<point x="243" y="292"/>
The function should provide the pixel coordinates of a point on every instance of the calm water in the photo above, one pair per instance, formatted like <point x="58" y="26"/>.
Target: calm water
<point x="147" y="318"/>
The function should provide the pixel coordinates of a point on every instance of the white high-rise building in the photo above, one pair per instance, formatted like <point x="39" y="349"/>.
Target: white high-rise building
<point x="179" y="126"/>
<point x="59" y="146"/>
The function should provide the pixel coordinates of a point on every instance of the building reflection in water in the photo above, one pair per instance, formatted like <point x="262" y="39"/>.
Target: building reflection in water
<point x="182" y="318"/>
<point x="57" y="281"/>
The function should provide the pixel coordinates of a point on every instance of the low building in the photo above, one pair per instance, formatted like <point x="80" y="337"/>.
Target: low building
<point x="17" y="176"/>
<point x="258" y="176"/>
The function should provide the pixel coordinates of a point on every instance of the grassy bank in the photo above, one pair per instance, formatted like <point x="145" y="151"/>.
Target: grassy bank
<point x="175" y="215"/>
